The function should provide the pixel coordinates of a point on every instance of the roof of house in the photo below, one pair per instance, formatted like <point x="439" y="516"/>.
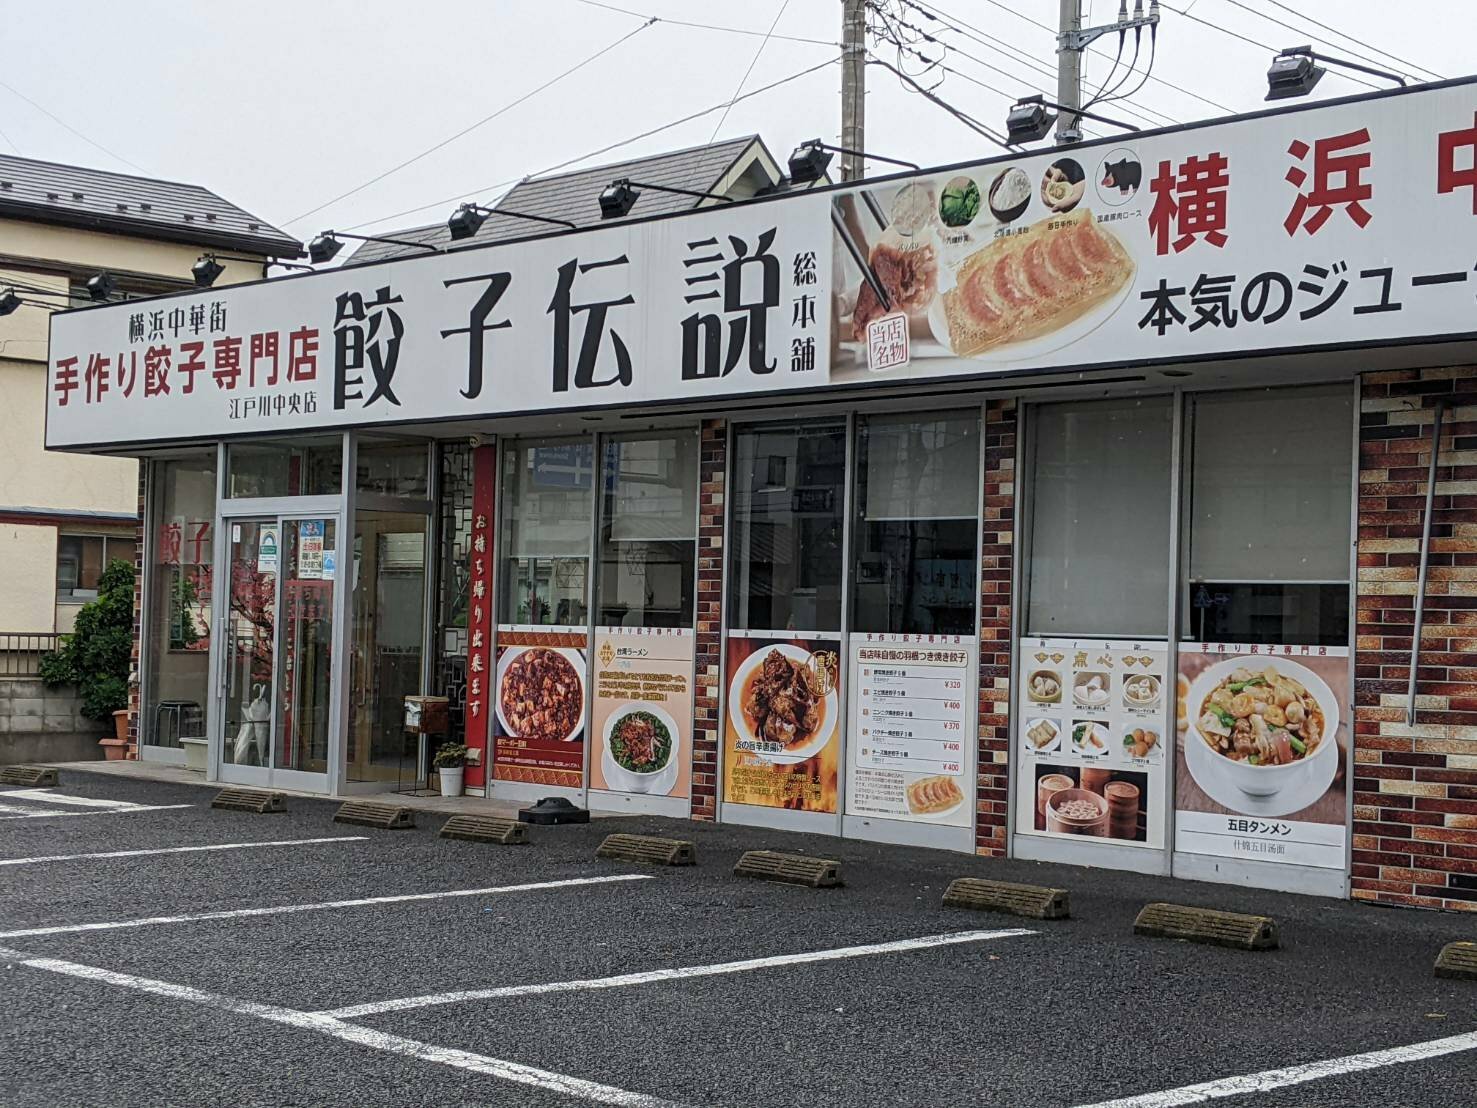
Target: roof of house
<point x="575" y="196"/>
<point x="121" y="203"/>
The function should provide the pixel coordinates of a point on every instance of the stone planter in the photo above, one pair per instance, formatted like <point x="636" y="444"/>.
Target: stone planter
<point x="197" y="753"/>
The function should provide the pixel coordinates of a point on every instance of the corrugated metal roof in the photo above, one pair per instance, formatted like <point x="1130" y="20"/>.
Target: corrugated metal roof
<point x="575" y="196"/>
<point x="121" y="203"/>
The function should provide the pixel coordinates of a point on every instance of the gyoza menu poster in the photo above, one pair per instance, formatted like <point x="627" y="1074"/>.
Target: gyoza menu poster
<point x="911" y="728"/>
<point x="1090" y="740"/>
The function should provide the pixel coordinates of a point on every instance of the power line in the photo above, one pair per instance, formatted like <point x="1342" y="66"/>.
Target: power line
<point x="1012" y="97"/>
<point x="1303" y="31"/>
<point x="63" y="123"/>
<point x="1351" y="38"/>
<point x="10" y="142"/>
<point x="968" y="120"/>
<point x="752" y="63"/>
<point x="486" y="189"/>
<point x="467" y="130"/>
<point x="1254" y="42"/>
<point x="705" y="26"/>
<point x="971" y="32"/>
<point x="688" y="118"/>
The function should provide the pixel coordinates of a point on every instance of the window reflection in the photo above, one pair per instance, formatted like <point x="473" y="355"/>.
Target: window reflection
<point x="547" y="497"/>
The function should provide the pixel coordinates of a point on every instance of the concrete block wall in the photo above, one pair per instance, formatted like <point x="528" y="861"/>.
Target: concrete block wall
<point x="41" y="724"/>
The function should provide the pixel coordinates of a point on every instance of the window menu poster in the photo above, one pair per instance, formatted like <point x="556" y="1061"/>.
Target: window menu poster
<point x="1263" y="733"/>
<point x="642" y="726"/>
<point x="539" y="707"/>
<point x="1089" y="739"/>
<point x="781" y="733"/>
<point x="911" y="727"/>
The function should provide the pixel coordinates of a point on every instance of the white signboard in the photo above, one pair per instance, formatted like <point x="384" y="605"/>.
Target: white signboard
<point x="1337" y="225"/>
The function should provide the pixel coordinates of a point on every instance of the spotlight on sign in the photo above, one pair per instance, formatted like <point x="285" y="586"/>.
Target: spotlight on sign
<point x="9" y="302"/>
<point x="206" y="270"/>
<point x="809" y="162"/>
<point x="465" y="222"/>
<point x="324" y="248"/>
<point x="617" y="199"/>
<point x="1028" y="121"/>
<point x="100" y="286"/>
<point x="1292" y="75"/>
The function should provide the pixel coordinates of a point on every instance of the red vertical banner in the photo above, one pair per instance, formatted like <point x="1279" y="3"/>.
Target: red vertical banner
<point x="480" y="614"/>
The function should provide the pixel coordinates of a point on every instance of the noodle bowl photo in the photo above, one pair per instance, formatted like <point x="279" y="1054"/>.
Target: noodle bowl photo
<point x="1264" y="721"/>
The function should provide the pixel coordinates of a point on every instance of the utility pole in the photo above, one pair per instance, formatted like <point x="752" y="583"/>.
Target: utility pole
<point x="1072" y="41"/>
<point x="853" y="86"/>
<point x="1069" y="73"/>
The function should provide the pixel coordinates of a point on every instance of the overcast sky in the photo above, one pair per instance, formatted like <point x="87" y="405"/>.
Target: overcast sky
<point x="283" y="105"/>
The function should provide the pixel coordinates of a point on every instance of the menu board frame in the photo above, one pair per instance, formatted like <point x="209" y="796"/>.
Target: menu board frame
<point x="882" y="808"/>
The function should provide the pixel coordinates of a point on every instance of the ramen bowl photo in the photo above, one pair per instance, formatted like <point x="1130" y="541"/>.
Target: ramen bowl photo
<point x="1262" y="724"/>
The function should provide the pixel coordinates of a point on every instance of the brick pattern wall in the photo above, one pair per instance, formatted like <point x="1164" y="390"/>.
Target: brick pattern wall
<point x="1415" y="788"/>
<point x="712" y="472"/>
<point x="996" y="561"/>
<point x="140" y="565"/>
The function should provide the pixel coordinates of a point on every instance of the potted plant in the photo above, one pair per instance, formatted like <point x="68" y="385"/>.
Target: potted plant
<point x="450" y="763"/>
<point x="96" y="656"/>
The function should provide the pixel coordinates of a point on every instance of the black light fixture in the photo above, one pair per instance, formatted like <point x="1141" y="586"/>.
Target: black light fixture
<point x="327" y="245"/>
<point x="618" y="197"/>
<point x="810" y="160"/>
<point x="468" y="219"/>
<point x="9" y="302"/>
<point x="1295" y="72"/>
<point x="100" y="286"/>
<point x="1031" y="121"/>
<point x="206" y="270"/>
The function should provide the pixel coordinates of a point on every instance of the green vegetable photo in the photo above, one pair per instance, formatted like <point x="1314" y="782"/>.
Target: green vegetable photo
<point x="959" y="202"/>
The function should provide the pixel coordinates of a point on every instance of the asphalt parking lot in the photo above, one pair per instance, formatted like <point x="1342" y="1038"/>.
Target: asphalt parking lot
<point x="303" y="962"/>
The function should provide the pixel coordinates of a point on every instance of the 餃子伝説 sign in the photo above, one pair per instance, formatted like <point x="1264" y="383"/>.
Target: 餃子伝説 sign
<point x="1331" y="225"/>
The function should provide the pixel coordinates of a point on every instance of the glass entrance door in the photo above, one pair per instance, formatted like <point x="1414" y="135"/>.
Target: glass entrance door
<point x="276" y="676"/>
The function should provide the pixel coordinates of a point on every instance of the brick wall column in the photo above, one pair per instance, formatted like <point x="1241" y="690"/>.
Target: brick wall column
<point x="712" y="471"/>
<point x="1415" y="788"/>
<point x="997" y="540"/>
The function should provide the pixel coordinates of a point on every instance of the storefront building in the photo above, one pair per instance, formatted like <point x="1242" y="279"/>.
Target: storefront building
<point x="1077" y="506"/>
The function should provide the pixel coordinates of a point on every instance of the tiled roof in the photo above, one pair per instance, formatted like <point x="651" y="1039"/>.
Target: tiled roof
<point x="48" y="192"/>
<point x="575" y="196"/>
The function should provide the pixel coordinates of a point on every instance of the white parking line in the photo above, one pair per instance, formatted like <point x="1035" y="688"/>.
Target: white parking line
<point x="178" y="850"/>
<point x="1268" y="1080"/>
<point x="677" y="974"/>
<point x="42" y="813"/>
<point x="362" y="1036"/>
<point x="282" y="909"/>
<point x="61" y="798"/>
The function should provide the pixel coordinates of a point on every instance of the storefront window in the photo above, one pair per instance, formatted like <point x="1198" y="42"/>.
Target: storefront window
<point x="180" y="545"/>
<point x="788" y="515"/>
<point x="1267" y="517"/>
<point x="282" y="469"/>
<point x="917" y="509"/>
<point x="392" y="469"/>
<point x="1099" y="518"/>
<point x="648" y="531"/>
<point x="546" y="492"/>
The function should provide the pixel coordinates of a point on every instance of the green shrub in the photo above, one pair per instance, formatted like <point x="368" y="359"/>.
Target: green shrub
<point x="96" y="656"/>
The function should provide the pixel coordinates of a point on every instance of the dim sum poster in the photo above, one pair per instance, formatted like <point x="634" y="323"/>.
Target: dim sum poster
<point x="1262" y="743"/>
<point x="782" y="733"/>
<point x="642" y="724"/>
<point x="539" y="713"/>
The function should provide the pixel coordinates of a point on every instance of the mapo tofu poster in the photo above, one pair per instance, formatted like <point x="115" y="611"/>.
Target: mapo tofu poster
<point x="539" y="713"/>
<point x="782" y="731"/>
